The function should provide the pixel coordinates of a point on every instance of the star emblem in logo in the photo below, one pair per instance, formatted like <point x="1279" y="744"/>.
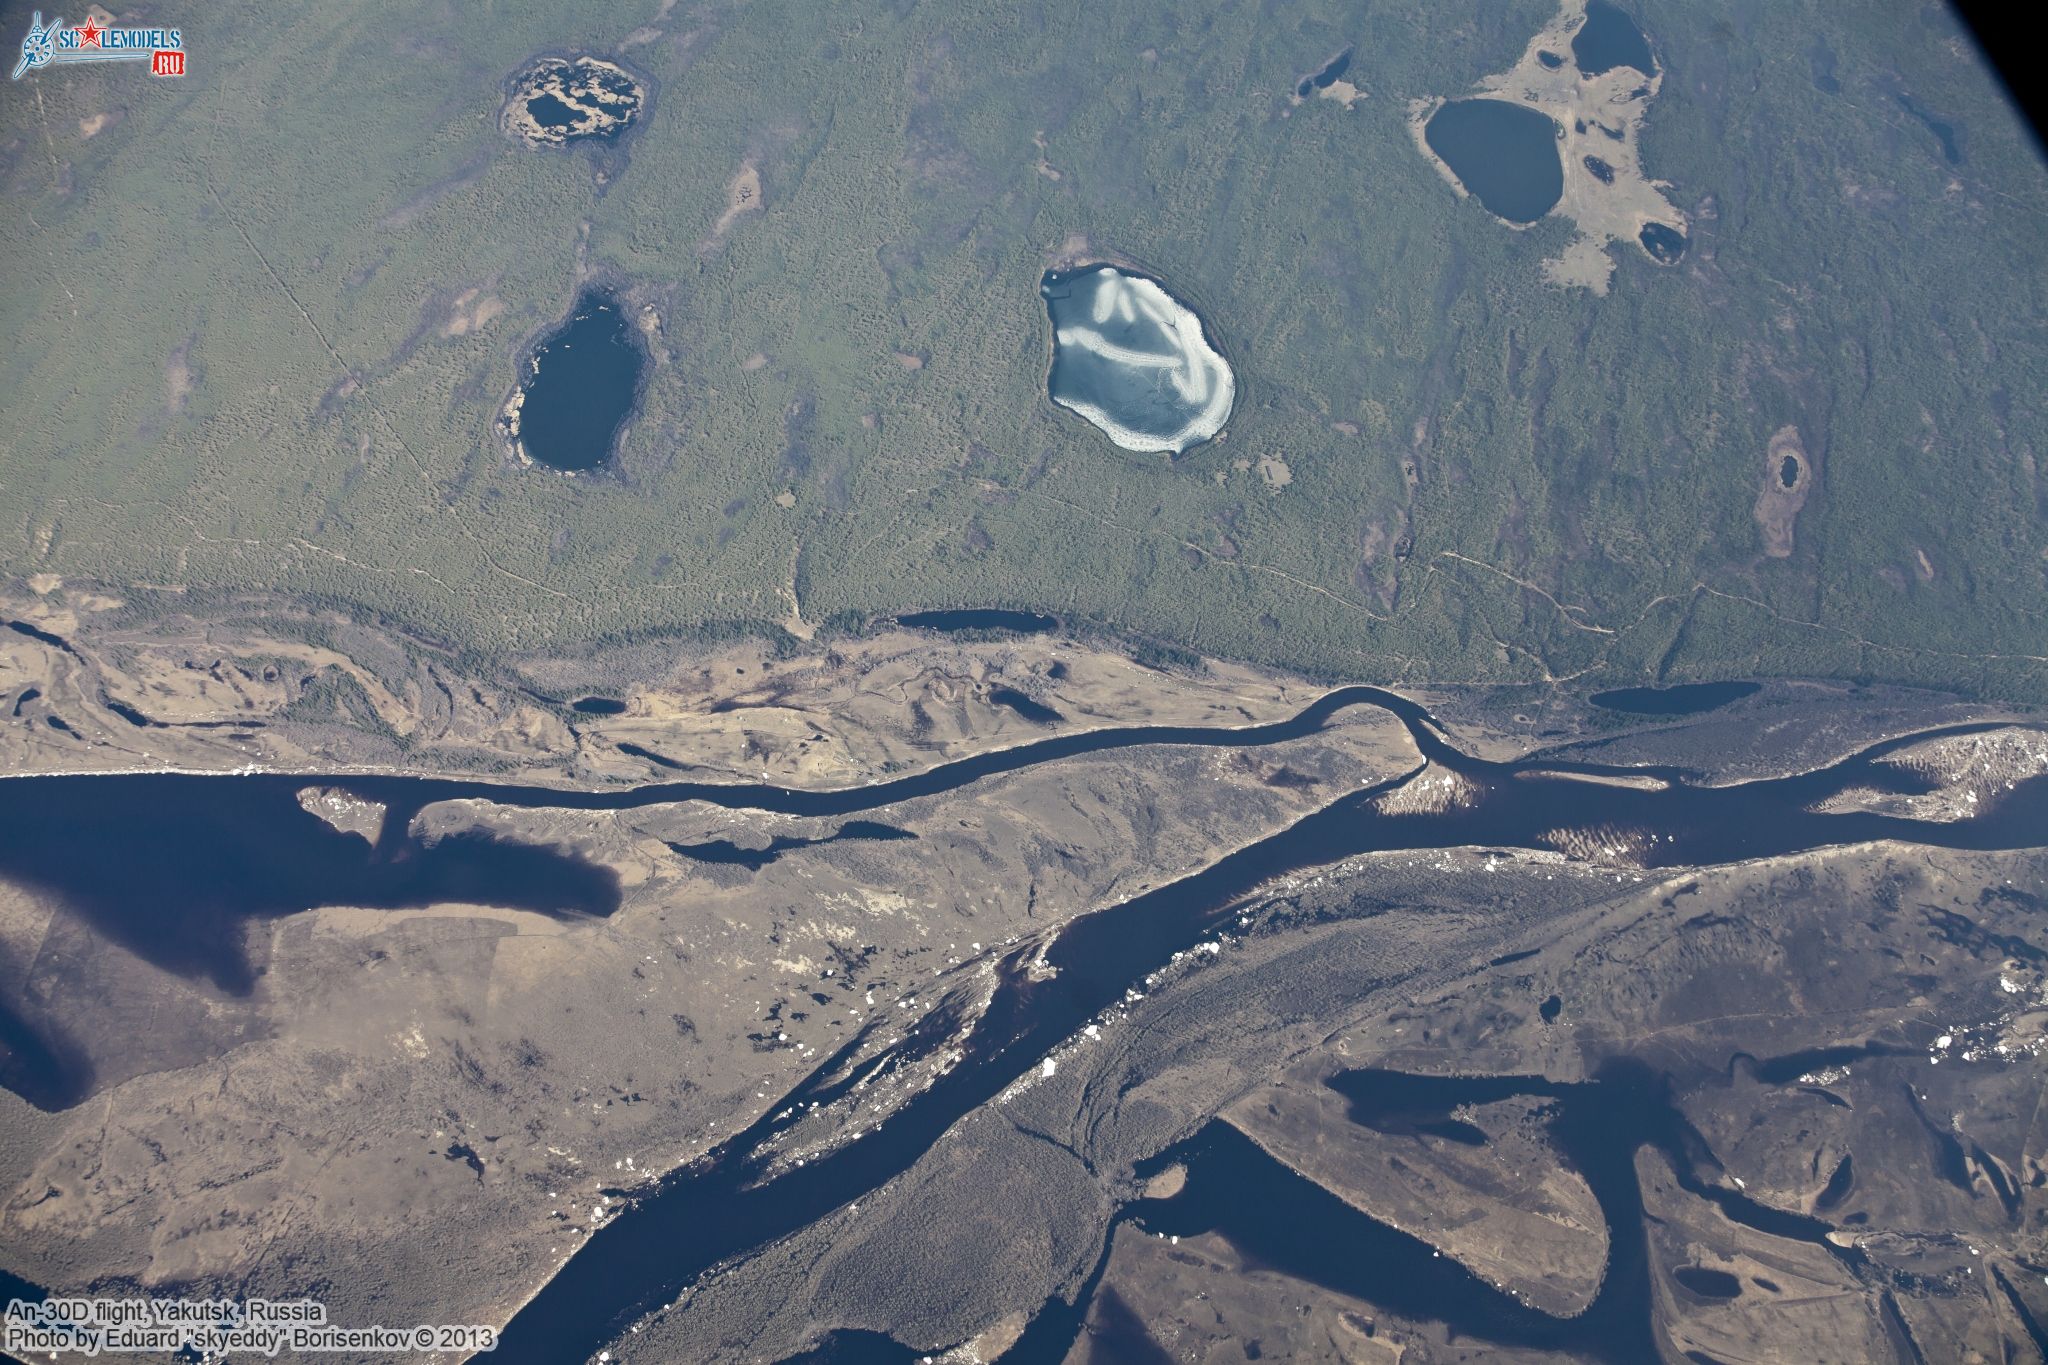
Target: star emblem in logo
<point x="89" y="35"/>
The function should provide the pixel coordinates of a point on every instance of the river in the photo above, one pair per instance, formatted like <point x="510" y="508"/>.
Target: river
<point x="61" y="828"/>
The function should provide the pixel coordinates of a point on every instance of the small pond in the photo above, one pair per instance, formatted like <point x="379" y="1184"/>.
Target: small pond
<point x="1706" y="1282"/>
<point x="1609" y="38"/>
<point x="1505" y="154"/>
<point x="1665" y="244"/>
<point x="1037" y="712"/>
<point x="1325" y="76"/>
<point x="581" y="386"/>
<point x="1134" y="360"/>
<point x="1944" y="132"/>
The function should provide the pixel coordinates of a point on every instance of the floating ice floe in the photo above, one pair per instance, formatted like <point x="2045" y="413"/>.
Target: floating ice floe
<point x="1135" y="361"/>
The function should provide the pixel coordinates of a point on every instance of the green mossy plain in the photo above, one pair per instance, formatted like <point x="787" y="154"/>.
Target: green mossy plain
<point x="309" y="203"/>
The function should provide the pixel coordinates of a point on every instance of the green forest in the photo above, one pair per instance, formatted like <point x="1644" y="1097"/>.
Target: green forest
<point x="261" y="322"/>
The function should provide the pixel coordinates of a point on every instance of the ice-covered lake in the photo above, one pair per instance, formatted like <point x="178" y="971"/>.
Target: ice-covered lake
<point x="1134" y="360"/>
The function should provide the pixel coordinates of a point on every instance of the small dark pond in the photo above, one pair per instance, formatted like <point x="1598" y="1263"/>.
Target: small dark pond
<point x="659" y="760"/>
<point x="582" y="386"/>
<point x="725" y="851"/>
<point x="598" y="706"/>
<point x="1686" y="699"/>
<point x="1665" y="244"/>
<point x="1944" y="132"/>
<point x="1707" y="1282"/>
<point x="1021" y="622"/>
<point x="1609" y="38"/>
<point x="1599" y="170"/>
<point x="1839" y="1184"/>
<point x="1820" y="59"/>
<point x="1788" y="472"/>
<point x="1327" y="75"/>
<point x="1505" y="154"/>
<point x="550" y="112"/>
<point x="1550" y="60"/>
<point x="1037" y="712"/>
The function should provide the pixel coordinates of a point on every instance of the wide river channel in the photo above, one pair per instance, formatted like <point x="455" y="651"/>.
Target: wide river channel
<point x="201" y="854"/>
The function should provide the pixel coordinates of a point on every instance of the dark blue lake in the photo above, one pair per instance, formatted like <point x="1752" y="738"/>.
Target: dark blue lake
<point x="1683" y="699"/>
<point x="1609" y="38"/>
<point x="979" y="618"/>
<point x="1505" y="154"/>
<point x="582" y="386"/>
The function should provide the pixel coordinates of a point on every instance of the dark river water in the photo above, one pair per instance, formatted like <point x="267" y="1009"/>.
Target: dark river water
<point x="1504" y="154"/>
<point x="583" y="385"/>
<point x="1286" y="1222"/>
<point x="200" y="855"/>
<point x="1291" y="1224"/>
